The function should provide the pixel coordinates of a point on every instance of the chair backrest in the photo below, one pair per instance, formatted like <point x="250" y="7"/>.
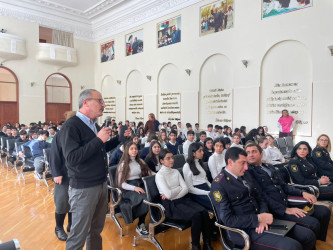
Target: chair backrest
<point x="112" y="175"/>
<point x="290" y="143"/>
<point x="3" y="144"/>
<point x="208" y="173"/>
<point x="180" y="149"/>
<point x="275" y="143"/>
<point x="179" y="161"/>
<point x="153" y="195"/>
<point x="47" y="152"/>
<point x="282" y="145"/>
<point x="10" y="145"/>
<point x="17" y="146"/>
<point x="27" y="152"/>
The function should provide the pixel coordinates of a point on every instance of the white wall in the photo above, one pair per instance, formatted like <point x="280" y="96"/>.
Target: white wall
<point x="250" y="39"/>
<point x="32" y="99"/>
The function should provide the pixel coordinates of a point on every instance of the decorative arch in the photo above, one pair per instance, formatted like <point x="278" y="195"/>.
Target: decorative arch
<point x="58" y="97"/>
<point x="215" y="91"/>
<point x="286" y="83"/>
<point x="9" y="96"/>
<point x="135" y="96"/>
<point x="169" y="93"/>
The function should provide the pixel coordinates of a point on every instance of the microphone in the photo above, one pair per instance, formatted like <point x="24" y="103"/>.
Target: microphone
<point x="107" y="122"/>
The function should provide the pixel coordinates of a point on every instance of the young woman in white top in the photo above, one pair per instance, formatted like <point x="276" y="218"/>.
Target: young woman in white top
<point x="274" y="153"/>
<point x="178" y="206"/>
<point x="162" y="138"/>
<point x="195" y="175"/>
<point x="152" y="157"/>
<point x="128" y="178"/>
<point x="263" y="143"/>
<point x="216" y="162"/>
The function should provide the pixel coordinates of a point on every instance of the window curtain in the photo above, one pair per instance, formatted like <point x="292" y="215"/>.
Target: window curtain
<point x="62" y="38"/>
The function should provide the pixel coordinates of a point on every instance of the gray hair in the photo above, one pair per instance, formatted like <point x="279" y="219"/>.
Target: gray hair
<point x="84" y="95"/>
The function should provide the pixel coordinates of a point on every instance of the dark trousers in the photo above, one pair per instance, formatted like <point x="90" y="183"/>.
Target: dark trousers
<point x="88" y="207"/>
<point x="203" y="200"/>
<point x="317" y="222"/>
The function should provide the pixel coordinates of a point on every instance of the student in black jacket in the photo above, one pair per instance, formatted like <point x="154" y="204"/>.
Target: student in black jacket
<point x="84" y="147"/>
<point x="152" y="159"/>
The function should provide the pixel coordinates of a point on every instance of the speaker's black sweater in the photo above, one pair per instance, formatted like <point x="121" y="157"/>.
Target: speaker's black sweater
<point x="84" y="153"/>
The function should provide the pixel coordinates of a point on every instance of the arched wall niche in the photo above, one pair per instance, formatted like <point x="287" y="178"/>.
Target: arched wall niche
<point x="286" y="83"/>
<point x="216" y="91"/>
<point x="135" y="96"/>
<point x="111" y="92"/>
<point x="169" y="94"/>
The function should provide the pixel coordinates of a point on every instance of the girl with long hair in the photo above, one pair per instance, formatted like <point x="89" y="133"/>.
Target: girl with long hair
<point x="321" y="156"/>
<point x="208" y="149"/>
<point x="152" y="158"/>
<point x="216" y="162"/>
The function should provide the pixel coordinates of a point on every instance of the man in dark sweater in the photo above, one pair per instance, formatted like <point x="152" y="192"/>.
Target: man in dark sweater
<point x="84" y="147"/>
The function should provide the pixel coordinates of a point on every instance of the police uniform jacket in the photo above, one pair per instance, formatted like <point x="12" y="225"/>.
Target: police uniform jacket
<point x="303" y="171"/>
<point x="237" y="205"/>
<point x="275" y="190"/>
<point x="321" y="157"/>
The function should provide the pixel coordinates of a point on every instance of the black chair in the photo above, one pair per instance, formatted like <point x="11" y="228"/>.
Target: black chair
<point x="283" y="147"/>
<point x="28" y="162"/>
<point x="11" y="156"/>
<point x="10" y="245"/>
<point x="179" y="161"/>
<point x="290" y="144"/>
<point x="208" y="173"/>
<point x="180" y="149"/>
<point x="157" y="213"/>
<point x="225" y="242"/>
<point x="47" y="172"/>
<point x="18" y="162"/>
<point x="115" y="198"/>
<point x="3" y="149"/>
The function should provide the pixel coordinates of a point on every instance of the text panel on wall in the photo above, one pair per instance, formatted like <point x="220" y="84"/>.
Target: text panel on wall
<point x="134" y="97"/>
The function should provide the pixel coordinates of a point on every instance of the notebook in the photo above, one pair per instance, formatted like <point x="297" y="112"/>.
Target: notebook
<point x="282" y="232"/>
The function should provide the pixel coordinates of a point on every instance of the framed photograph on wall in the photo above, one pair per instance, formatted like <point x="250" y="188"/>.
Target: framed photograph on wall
<point x="134" y="42"/>
<point x="169" y="32"/>
<point x="216" y="17"/>
<point x="277" y="7"/>
<point x="107" y="51"/>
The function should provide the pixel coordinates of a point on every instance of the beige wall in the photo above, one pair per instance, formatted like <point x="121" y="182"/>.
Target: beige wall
<point x="32" y="99"/>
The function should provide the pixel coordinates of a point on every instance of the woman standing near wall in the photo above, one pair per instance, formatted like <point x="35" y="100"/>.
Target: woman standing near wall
<point x="286" y="124"/>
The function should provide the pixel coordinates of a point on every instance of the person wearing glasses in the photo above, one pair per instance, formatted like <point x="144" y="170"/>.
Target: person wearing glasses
<point x="84" y="145"/>
<point x="321" y="157"/>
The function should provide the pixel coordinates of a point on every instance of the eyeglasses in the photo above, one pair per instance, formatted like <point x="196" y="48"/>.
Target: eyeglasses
<point x="324" y="140"/>
<point x="101" y="101"/>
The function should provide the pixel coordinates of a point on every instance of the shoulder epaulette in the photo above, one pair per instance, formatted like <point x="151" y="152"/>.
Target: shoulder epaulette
<point x="219" y="177"/>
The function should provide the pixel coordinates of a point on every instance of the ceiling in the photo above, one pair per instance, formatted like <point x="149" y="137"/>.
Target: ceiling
<point x="90" y="20"/>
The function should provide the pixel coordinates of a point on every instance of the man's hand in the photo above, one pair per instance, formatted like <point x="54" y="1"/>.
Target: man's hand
<point x="57" y="179"/>
<point x="296" y="211"/>
<point x="324" y="180"/>
<point x="139" y="190"/>
<point x="261" y="228"/>
<point x="265" y="218"/>
<point x="309" y="197"/>
<point x="104" y="134"/>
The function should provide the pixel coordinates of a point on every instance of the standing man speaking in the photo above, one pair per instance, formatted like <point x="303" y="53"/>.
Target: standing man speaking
<point x="84" y="148"/>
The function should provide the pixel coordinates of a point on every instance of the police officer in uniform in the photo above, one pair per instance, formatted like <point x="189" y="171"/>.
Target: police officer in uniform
<point x="303" y="171"/>
<point x="239" y="204"/>
<point x="321" y="157"/>
<point x="275" y="191"/>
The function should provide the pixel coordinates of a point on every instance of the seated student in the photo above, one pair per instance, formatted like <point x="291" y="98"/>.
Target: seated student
<point x="321" y="157"/>
<point x="228" y="134"/>
<point x="210" y="133"/>
<point x="251" y="136"/>
<point x="219" y="132"/>
<point x="184" y="132"/>
<point x="216" y="162"/>
<point x="189" y="141"/>
<point x="141" y="134"/>
<point x="208" y="148"/>
<point x="273" y="152"/>
<point x="152" y="137"/>
<point x="227" y="143"/>
<point x="195" y="175"/>
<point x="116" y="155"/>
<point x="216" y="130"/>
<point x="152" y="158"/>
<point x="8" y="132"/>
<point x="52" y="131"/>
<point x="37" y="151"/>
<point x="172" y="145"/>
<point x="242" y="131"/>
<point x="196" y="128"/>
<point x="179" y="138"/>
<point x="128" y="178"/>
<point x="162" y="138"/>
<point x="3" y="130"/>
<point x="303" y="171"/>
<point x="263" y="143"/>
<point x="144" y="139"/>
<point x="276" y="192"/>
<point x="14" y="133"/>
<point x="239" y="203"/>
<point x="202" y="137"/>
<point x="236" y="141"/>
<point x="23" y="136"/>
<point x="178" y="206"/>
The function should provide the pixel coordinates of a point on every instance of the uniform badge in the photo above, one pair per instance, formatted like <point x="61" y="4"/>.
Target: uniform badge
<point x="318" y="154"/>
<point x="217" y="179"/>
<point x="294" y="168"/>
<point x="217" y="196"/>
<point x="228" y="178"/>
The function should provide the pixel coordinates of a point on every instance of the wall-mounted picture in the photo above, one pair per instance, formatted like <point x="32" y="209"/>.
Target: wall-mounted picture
<point x="134" y="43"/>
<point x="216" y="17"/>
<point x="169" y="32"/>
<point x="277" y="7"/>
<point x="107" y="51"/>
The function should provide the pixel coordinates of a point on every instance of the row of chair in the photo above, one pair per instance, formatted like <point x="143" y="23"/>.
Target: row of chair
<point x="285" y="145"/>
